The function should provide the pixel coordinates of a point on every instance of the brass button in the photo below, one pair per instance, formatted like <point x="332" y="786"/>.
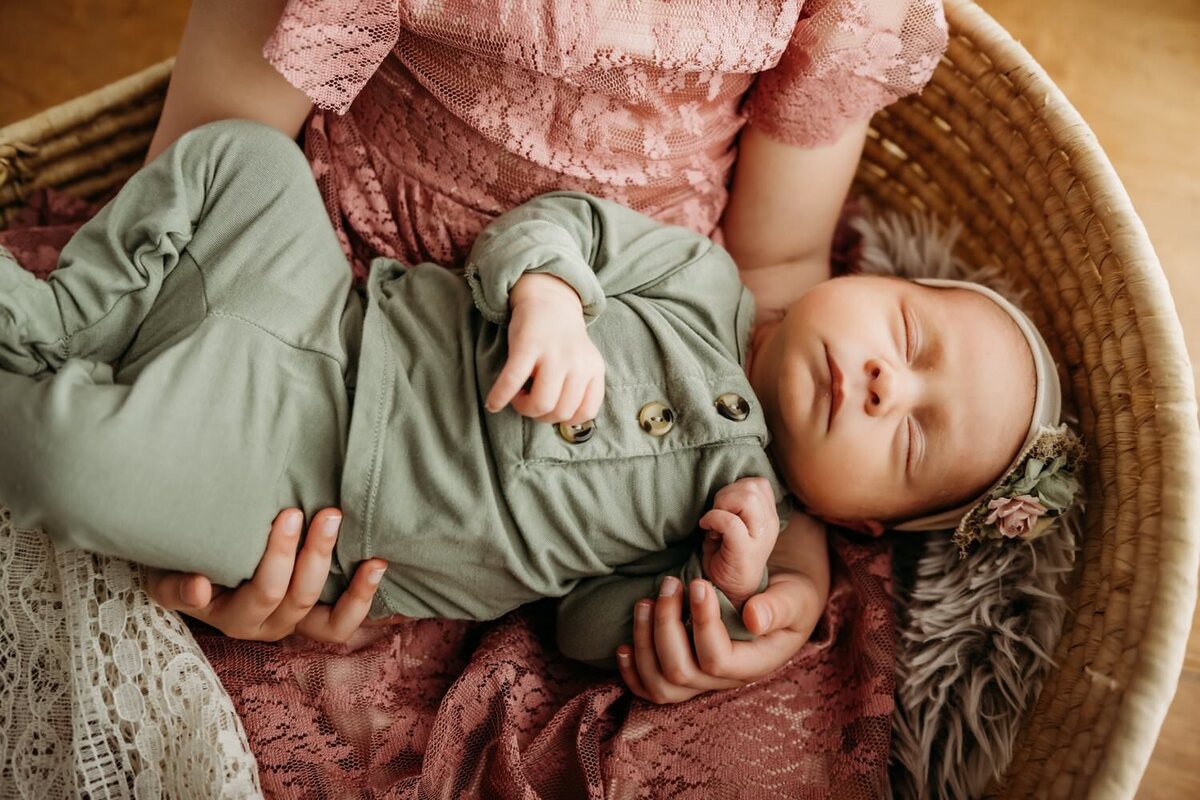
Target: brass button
<point x="577" y="434"/>
<point x="656" y="418"/>
<point x="733" y="406"/>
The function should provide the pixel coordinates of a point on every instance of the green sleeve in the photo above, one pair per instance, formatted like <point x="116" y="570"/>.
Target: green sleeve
<point x="597" y="616"/>
<point x="600" y="248"/>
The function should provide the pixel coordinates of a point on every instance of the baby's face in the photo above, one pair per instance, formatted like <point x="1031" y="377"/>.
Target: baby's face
<point x="894" y="400"/>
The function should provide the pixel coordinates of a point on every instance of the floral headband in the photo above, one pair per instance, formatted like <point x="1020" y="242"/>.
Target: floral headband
<point x="1042" y="482"/>
<point x="1032" y="495"/>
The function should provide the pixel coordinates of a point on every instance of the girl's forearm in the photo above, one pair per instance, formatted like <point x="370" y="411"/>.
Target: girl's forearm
<point x="220" y="73"/>
<point x="785" y="200"/>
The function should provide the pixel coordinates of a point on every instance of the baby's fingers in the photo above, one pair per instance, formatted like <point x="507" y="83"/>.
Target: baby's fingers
<point x="543" y="394"/>
<point x="568" y="402"/>
<point x="592" y="400"/>
<point x="726" y="526"/>
<point x="511" y="379"/>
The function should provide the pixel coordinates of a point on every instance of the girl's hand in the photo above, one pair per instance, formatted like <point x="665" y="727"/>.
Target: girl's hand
<point x="663" y="667"/>
<point x="281" y="598"/>
<point x="742" y="526"/>
<point x="549" y="349"/>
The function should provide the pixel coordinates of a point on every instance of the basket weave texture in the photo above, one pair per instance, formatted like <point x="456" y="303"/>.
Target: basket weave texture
<point x="993" y="144"/>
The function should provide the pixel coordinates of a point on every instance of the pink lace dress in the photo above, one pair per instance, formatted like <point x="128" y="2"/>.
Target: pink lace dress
<point x="434" y="116"/>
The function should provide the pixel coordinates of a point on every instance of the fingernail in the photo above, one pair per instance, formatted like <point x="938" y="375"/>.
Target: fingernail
<point x="765" y="616"/>
<point x="643" y="611"/>
<point x="293" y="524"/>
<point x="330" y="529"/>
<point x="376" y="575"/>
<point x="669" y="585"/>
<point x="622" y="656"/>
<point x="697" y="591"/>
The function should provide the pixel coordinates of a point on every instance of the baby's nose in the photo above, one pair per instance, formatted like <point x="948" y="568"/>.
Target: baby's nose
<point x="884" y="391"/>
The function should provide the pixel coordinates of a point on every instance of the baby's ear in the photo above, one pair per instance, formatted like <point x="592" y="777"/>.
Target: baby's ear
<point x="870" y="527"/>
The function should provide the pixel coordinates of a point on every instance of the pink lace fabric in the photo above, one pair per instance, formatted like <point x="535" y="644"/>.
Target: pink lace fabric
<point x="444" y="709"/>
<point x="437" y="708"/>
<point x="434" y="117"/>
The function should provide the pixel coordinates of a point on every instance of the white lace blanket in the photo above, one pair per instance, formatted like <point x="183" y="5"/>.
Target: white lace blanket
<point x="103" y="694"/>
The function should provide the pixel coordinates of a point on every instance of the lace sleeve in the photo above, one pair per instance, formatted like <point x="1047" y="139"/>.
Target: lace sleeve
<point x="846" y="60"/>
<point x="329" y="49"/>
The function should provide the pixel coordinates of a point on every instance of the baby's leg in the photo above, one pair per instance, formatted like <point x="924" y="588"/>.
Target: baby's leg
<point x="229" y="400"/>
<point x="197" y="200"/>
<point x="166" y="472"/>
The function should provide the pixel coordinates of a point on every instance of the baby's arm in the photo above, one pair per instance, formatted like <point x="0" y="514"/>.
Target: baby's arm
<point x="565" y="241"/>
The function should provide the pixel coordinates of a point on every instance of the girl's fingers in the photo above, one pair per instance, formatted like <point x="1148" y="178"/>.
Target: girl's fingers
<point x="739" y="662"/>
<point x="311" y="568"/>
<point x="671" y="645"/>
<point x="180" y="591"/>
<point x="339" y="622"/>
<point x="781" y="605"/>
<point x="248" y="606"/>
<point x="511" y="379"/>
<point x="644" y="656"/>
<point x="713" y="645"/>
<point x="629" y="674"/>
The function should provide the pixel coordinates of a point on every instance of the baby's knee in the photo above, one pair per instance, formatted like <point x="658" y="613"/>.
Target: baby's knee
<point x="253" y="150"/>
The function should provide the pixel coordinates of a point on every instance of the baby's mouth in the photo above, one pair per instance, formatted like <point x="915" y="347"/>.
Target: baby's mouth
<point x="835" y="388"/>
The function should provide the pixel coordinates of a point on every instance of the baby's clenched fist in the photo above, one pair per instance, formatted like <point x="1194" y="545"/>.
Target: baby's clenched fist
<point x="742" y="527"/>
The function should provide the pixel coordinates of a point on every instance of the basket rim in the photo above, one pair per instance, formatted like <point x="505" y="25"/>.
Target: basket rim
<point x="1161" y="651"/>
<point x="1147" y="697"/>
<point x="78" y="110"/>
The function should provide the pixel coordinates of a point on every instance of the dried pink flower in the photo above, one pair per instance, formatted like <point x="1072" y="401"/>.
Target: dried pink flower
<point x="1015" y="516"/>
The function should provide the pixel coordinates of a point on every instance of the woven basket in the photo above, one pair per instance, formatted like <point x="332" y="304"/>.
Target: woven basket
<point x="994" y="144"/>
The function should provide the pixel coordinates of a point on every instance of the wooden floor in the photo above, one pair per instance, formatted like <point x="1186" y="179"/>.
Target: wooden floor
<point x="1132" y="70"/>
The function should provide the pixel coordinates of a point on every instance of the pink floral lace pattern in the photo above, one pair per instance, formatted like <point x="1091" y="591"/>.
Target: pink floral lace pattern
<point x="445" y="709"/>
<point x="436" y="117"/>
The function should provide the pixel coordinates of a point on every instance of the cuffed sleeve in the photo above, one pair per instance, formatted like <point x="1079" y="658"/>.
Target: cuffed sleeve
<point x="601" y="249"/>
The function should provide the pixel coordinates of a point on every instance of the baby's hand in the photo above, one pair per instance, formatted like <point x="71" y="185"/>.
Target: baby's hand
<point x="742" y="528"/>
<point x="548" y="342"/>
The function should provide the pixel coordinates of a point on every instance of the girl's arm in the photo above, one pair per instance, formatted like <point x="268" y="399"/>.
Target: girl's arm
<point x="782" y="212"/>
<point x="220" y="73"/>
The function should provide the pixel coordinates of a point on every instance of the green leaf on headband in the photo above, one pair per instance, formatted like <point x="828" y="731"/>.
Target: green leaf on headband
<point x="1054" y="486"/>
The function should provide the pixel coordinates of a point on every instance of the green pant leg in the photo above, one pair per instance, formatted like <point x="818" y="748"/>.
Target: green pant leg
<point x="186" y="468"/>
<point x="237" y="405"/>
<point x="203" y="195"/>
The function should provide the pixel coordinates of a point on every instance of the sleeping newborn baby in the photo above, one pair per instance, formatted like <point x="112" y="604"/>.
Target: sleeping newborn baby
<point x="560" y="423"/>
